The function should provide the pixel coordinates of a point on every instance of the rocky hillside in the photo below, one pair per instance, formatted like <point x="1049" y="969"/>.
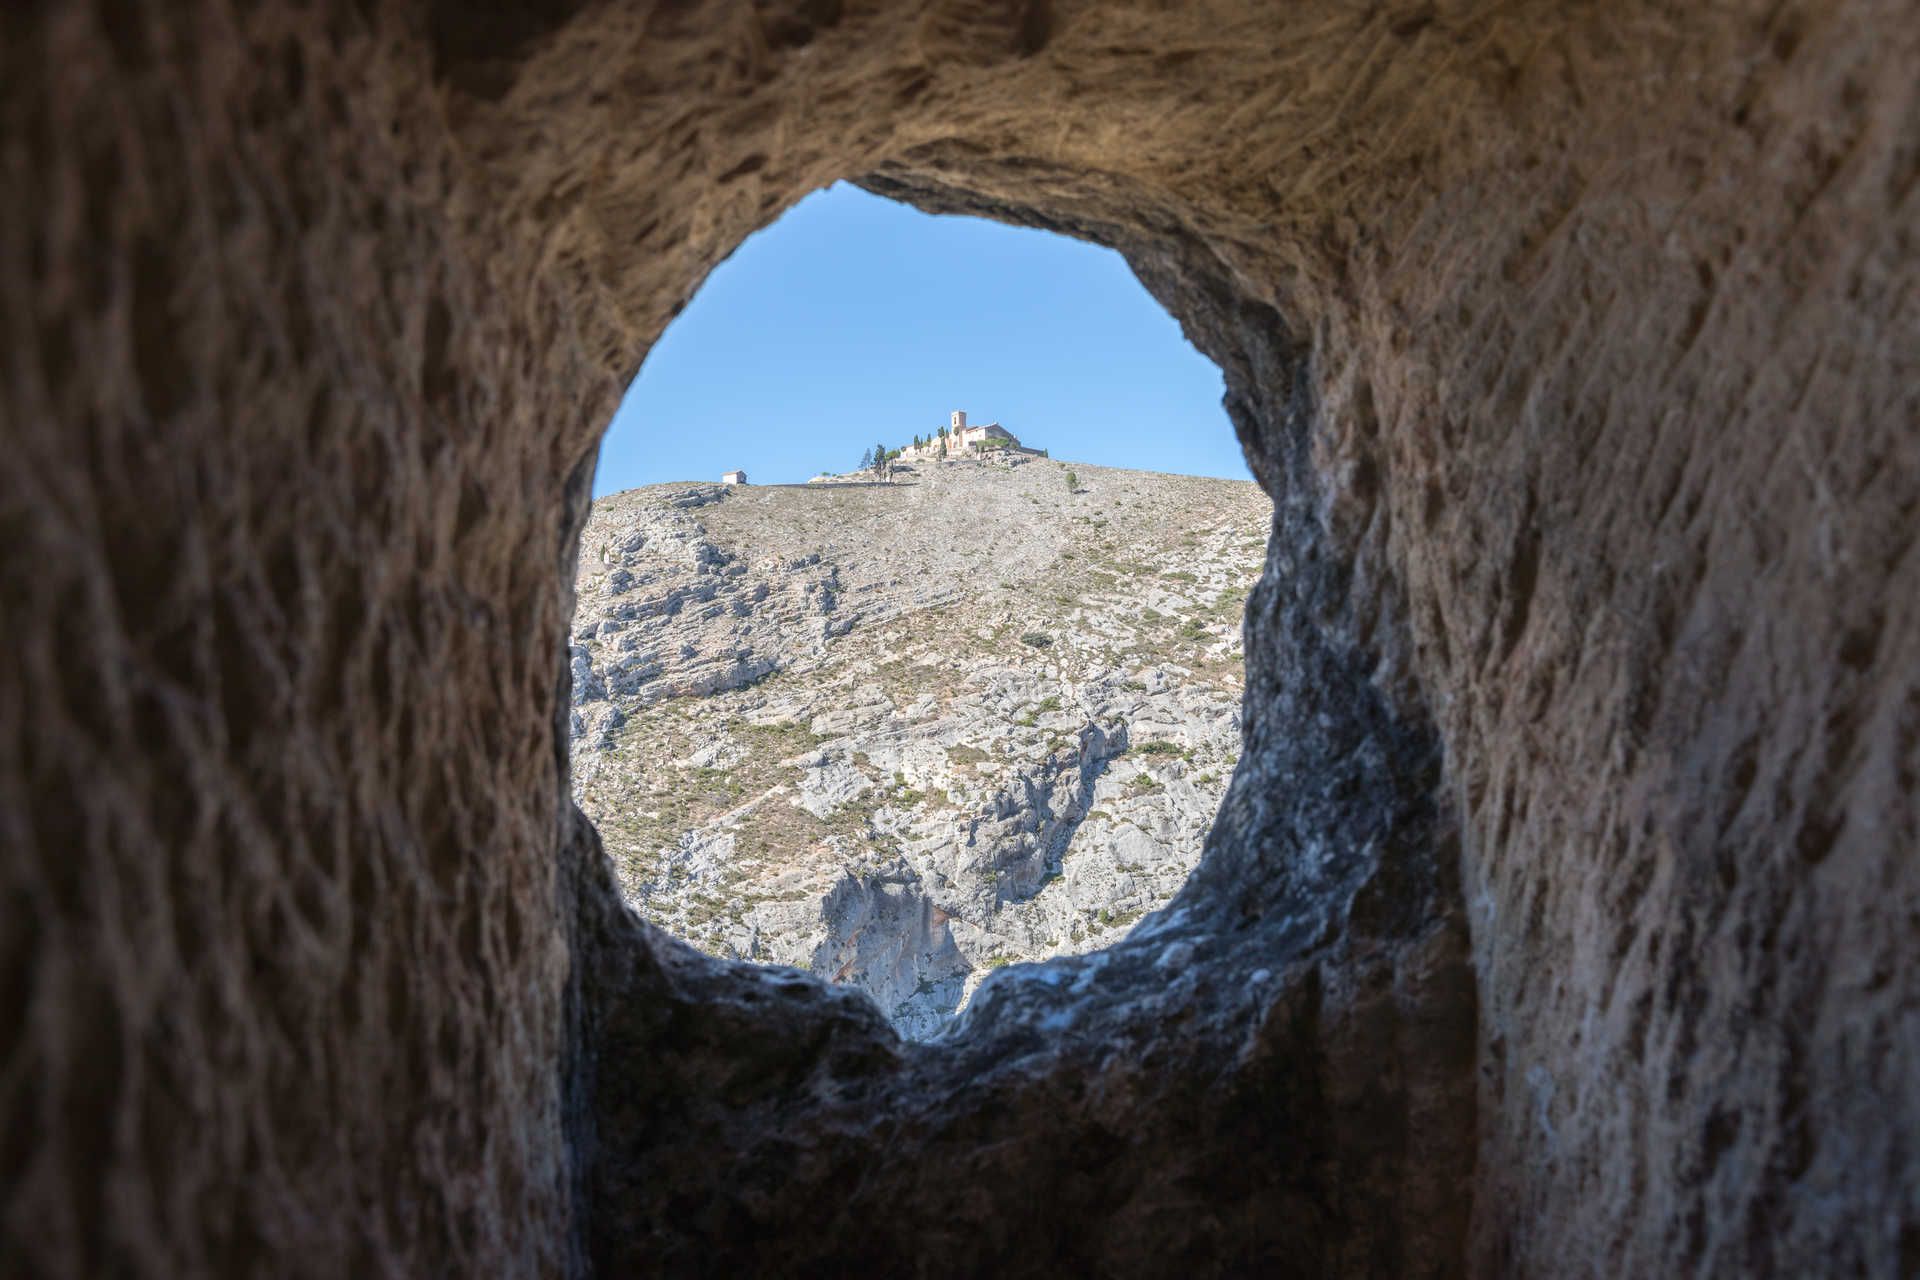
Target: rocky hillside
<point x="904" y="734"/>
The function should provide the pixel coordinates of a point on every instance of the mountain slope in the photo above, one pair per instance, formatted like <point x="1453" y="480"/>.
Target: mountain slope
<point x="903" y="734"/>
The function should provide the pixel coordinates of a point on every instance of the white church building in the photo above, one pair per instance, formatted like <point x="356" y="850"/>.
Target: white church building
<point x="962" y="440"/>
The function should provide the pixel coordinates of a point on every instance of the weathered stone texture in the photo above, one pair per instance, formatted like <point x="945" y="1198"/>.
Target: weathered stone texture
<point x="1561" y="918"/>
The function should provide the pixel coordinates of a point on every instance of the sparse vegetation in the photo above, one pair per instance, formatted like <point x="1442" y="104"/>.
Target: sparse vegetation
<point x="776" y="741"/>
<point x="713" y="820"/>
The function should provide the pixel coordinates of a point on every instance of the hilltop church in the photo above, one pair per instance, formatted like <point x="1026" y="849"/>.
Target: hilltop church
<point x="962" y="439"/>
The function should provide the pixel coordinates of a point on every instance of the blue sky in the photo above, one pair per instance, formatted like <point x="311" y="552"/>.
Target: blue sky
<point x="855" y="320"/>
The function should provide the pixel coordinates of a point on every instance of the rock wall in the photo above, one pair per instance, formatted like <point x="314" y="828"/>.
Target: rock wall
<point x="833" y="726"/>
<point x="1561" y="914"/>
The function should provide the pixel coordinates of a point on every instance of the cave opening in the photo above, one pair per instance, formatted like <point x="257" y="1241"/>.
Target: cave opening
<point x="1305" y="993"/>
<point x="1558" y="917"/>
<point x="969" y="702"/>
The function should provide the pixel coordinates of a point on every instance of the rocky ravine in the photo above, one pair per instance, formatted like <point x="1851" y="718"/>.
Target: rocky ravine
<point x="902" y="735"/>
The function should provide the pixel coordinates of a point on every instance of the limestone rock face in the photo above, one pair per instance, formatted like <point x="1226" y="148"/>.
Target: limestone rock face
<point x="1559" y="916"/>
<point x="967" y="719"/>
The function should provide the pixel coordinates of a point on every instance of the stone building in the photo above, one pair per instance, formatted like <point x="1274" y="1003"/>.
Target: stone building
<point x="962" y="440"/>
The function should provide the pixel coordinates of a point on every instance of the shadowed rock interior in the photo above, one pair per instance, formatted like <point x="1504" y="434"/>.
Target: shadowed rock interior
<point x="1560" y="917"/>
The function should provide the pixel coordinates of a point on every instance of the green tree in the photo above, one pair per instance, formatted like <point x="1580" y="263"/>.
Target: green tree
<point x="866" y="460"/>
<point x="879" y="454"/>
<point x="1073" y="482"/>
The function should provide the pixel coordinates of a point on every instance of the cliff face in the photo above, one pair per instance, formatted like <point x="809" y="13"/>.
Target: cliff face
<point x="904" y="734"/>
<point x="1559" y="913"/>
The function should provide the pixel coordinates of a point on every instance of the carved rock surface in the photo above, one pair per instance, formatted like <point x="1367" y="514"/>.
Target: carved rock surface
<point x="1561" y="914"/>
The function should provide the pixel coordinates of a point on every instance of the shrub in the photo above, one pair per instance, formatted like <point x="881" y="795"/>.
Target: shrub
<point x="1073" y="483"/>
<point x="1038" y="639"/>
